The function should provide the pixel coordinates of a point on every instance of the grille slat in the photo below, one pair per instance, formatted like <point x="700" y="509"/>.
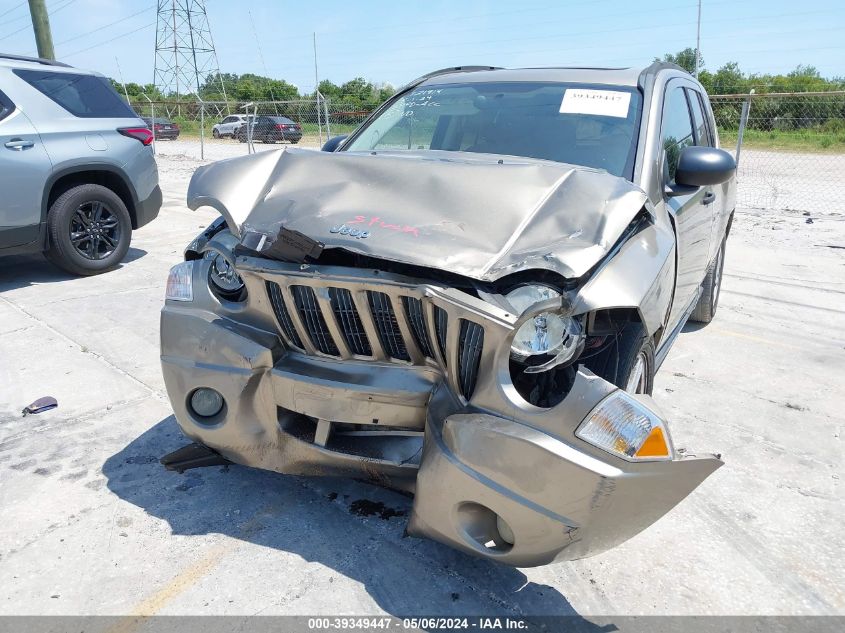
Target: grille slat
<point x="344" y="308"/>
<point x="441" y="322"/>
<point x="315" y="322"/>
<point x="277" y="301"/>
<point x="414" y="313"/>
<point x="387" y="326"/>
<point x="470" y="345"/>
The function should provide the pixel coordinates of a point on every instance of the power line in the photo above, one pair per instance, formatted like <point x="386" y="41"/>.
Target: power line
<point x="26" y="26"/>
<point x="14" y="8"/>
<point x="139" y="29"/>
<point x="105" y="26"/>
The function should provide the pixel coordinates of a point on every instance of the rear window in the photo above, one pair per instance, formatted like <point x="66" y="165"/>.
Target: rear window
<point x="84" y="96"/>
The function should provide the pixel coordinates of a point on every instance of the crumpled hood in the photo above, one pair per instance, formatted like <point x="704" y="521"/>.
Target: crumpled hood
<point x="476" y="215"/>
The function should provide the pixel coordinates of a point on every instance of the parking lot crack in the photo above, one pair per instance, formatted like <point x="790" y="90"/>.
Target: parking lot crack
<point x="158" y="394"/>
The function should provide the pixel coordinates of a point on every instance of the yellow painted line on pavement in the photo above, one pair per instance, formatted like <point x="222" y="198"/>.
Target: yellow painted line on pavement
<point x="756" y="339"/>
<point x="186" y="579"/>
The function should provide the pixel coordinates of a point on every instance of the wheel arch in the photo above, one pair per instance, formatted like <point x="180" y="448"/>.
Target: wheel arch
<point x="108" y="176"/>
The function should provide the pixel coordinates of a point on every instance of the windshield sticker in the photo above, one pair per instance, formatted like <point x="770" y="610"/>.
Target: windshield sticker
<point x="600" y="102"/>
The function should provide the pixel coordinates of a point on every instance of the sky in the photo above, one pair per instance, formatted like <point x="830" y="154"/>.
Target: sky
<point x="394" y="41"/>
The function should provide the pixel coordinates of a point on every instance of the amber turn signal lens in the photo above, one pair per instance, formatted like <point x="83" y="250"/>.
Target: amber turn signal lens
<point x="655" y="445"/>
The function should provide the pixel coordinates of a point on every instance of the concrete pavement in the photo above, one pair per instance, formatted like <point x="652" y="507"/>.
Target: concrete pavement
<point x="94" y="525"/>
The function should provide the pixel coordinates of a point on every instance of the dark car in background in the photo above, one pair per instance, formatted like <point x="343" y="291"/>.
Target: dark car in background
<point x="163" y="128"/>
<point x="271" y="129"/>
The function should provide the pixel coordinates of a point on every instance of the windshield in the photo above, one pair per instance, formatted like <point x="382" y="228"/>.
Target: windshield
<point x="590" y="125"/>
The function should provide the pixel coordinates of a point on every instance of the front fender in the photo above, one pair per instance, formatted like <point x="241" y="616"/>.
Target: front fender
<point x="641" y="275"/>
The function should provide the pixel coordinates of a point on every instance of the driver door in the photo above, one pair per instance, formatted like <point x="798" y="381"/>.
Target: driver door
<point x="24" y="169"/>
<point x="691" y="213"/>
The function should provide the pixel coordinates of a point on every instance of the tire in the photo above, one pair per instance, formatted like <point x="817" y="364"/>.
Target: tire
<point x="705" y="309"/>
<point x="89" y="230"/>
<point x="215" y="133"/>
<point x="628" y="361"/>
<point x="294" y="142"/>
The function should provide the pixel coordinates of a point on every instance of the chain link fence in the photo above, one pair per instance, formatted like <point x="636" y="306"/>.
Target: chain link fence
<point x="210" y="122"/>
<point x="793" y="149"/>
<point x="792" y="157"/>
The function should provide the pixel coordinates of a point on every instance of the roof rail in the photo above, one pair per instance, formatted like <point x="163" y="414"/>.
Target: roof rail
<point x="650" y="72"/>
<point x="446" y="71"/>
<point x="37" y="60"/>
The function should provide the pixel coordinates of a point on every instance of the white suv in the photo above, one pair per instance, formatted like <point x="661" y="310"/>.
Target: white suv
<point x="228" y="126"/>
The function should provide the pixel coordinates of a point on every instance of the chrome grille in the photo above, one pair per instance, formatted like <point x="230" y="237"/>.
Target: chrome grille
<point x="317" y="317"/>
<point x="347" y="316"/>
<point x="414" y="314"/>
<point x="387" y="326"/>
<point x="282" y="314"/>
<point x="470" y="344"/>
<point x="313" y="319"/>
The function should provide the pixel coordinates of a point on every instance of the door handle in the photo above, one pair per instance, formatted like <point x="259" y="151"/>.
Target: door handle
<point x="708" y="198"/>
<point x="19" y="144"/>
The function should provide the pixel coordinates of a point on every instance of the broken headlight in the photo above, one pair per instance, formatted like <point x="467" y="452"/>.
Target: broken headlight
<point x="548" y="339"/>
<point x="225" y="281"/>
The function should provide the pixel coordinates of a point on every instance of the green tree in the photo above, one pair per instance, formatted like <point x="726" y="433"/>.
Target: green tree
<point x="685" y="59"/>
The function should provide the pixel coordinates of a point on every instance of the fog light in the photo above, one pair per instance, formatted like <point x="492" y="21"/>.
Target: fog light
<point x="505" y="530"/>
<point x="206" y="403"/>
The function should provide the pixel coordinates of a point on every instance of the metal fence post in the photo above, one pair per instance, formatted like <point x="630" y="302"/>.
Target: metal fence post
<point x="317" y="96"/>
<point x="202" y="128"/>
<point x="743" y="120"/>
<point x="152" y="119"/>
<point x="328" y="123"/>
<point x="248" y="130"/>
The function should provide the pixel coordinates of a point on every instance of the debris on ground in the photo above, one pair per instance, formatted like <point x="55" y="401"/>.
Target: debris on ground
<point x="367" y="508"/>
<point x="39" y="406"/>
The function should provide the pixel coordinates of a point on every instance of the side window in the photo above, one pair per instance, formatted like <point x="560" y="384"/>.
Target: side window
<point x="6" y="106"/>
<point x="702" y="132"/>
<point x="84" y="96"/>
<point x="676" y="128"/>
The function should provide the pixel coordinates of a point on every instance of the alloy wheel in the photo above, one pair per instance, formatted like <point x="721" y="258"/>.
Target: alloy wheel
<point x="638" y="378"/>
<point x="94" y="230"/>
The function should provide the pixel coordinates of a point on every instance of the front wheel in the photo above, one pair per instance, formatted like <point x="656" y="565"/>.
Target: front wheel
<point x="215" y="133"/>
<point x="89" y="230"/>
<point x="705" y="309"/>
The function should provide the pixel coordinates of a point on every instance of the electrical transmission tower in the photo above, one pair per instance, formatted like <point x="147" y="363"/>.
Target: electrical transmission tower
<point x="185" y="54"/>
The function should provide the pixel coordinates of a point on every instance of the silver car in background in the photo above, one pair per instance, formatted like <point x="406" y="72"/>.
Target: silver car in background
<point x="467" y="299"/>
<point x="77" y="171"/>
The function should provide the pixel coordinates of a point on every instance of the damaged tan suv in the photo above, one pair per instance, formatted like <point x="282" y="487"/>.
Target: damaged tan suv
<point x="467" y="299"/>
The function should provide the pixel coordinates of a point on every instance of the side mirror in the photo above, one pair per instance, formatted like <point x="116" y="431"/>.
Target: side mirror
<point x="332" y="144"/>
<point x="702" y="166"/>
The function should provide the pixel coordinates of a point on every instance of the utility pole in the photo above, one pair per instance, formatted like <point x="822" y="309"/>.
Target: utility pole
<point x="317" y="91"/>
<point x="698" y="41"/>
<point x="41" y="26"/>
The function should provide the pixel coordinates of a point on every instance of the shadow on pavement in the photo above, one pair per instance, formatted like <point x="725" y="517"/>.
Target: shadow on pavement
<point x="19" y="271"/>
<point x="338" y="523"/>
